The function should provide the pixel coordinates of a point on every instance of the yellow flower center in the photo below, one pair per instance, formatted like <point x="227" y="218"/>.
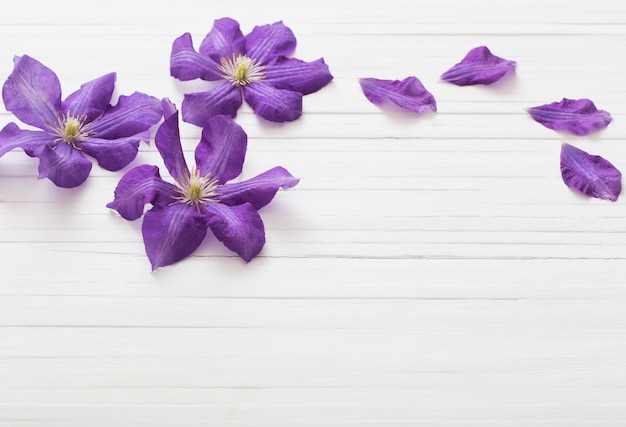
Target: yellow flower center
<point x="241" y="70"/>
<point x="70" y="128"/>
<point x="195" y="190"/>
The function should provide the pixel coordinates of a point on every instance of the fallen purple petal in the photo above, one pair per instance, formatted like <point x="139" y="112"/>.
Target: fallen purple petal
<point x="409" y="94"/>
<point x="579" y="116"/>
<point x="479" y="66"/>
<point x="589" y="174"/>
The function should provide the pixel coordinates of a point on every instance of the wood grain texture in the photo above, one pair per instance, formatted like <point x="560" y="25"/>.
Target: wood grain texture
<point x="426" y="271"/>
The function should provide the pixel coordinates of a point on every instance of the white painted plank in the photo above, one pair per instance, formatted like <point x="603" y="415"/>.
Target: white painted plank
<point x="427" y="271"/>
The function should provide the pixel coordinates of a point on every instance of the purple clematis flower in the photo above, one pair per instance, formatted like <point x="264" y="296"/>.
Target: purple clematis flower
<point x="579" y="116"/>
<point x="409" y="94"/>
<point x="253" y="67"/>
<point x="85" y="123"/>
<point x="479" y="66"/>
<point x="589" y="174"/>
<point x="200" y="198"/>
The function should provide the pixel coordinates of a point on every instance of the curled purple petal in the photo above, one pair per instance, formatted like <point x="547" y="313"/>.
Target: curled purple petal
<point x="223" y="41"/>
<point x="296" y="75"/>
<point x="168" y="107"/>
<point x="258" y="191"/>
<point x="92" y="99"/>
<point x="172" y="233"/>
<point x="113" y="154"/>
<point x="31" y="141"/>
<point x="579" y="116"/>
<point x="269" y="41"/>
<point x="239" y="227"/>
<point x="167" y="141"/>
<point x="187" y="64"/>
<point x="275" y="105"/>
<point x="479" y="66"/>
<point x="199" y="107"/>
<point x="131" y="115"/>
<point x="138" y="187"/>
<point x="64" y="165"/>
<point x="589" y="174"/>
<point x="408" y="94"/>
<point x="222" y="149"/>
<point x="32" y="92"/>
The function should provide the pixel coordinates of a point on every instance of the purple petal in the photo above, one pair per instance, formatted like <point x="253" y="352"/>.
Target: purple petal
<point x="199" y="107"/>
<point x="168" y="108"/>
<point x="32" y="92"/>
<point x="187" y="64"/>
<point x="139" y="186"/>
<point x="258" y="191"/>
<point x="31" y="141"/>
<point x="131" y="115"/>
<point x="296" y="75"/>
<point x="223" y="41"/>
<point x="275" y="105"/>
<point x="64" y="165"/>
<point x="408" y="94"/>
<point x="577" y="116"/>
<point x="589" y="174"/>
<point x="92" y="99"/>
<point x="113" y="154"/>
<point x="167" y="140"/>
<point x="222" y="149"/>
<point x="269" y="41"/>
<point x="240" y="228"/>
<point x="171" y="233"/>
<point x="479" y="66"/>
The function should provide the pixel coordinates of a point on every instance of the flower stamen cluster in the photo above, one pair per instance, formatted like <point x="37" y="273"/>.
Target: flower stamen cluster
<point x="70" y="128"/>
<point x="241" y="70"/>
<point x="195" y="189"/>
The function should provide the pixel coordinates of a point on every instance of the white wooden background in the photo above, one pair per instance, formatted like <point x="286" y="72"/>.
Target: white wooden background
<point x="427" y="271"/>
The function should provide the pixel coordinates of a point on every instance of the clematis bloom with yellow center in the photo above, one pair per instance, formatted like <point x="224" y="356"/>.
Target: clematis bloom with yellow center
<point x="201" y="198"/>
<point x="85" y="123"/>
<point x="254" y="68"/>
